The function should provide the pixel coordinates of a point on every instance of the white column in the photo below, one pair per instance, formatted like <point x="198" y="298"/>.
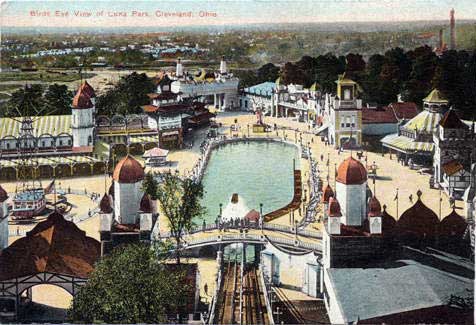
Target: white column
<point x="214" y="100"/>
<point x="225" y="101"/>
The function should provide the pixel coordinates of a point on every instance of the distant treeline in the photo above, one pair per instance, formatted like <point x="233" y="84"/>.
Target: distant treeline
<point x="413" y="74"/>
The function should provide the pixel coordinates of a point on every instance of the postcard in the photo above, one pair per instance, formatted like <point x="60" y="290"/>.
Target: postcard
<point x="237" y="162"/>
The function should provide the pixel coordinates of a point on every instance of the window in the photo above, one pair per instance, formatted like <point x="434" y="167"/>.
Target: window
<point x="60" y="142"/>
<point x="346" y="94"/>
<point x="246" y="104"/>
<point x="43" y="143"/>
<point x="69" y="142"/>
<point x="8" y="145"/>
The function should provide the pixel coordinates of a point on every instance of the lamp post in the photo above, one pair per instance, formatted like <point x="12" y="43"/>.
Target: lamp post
<point x="261" y="218"/>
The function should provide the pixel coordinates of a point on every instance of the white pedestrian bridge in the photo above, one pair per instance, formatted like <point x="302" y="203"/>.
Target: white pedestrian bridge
<point x="288" y="239"/>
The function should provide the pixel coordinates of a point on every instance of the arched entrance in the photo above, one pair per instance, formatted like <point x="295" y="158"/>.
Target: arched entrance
<point x="44" y="303"/>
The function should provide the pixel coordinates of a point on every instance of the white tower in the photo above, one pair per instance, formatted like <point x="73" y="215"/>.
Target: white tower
<point x="3" y="219"/>
<point x="334" y="217"/>
<point x="351" y="191"/>
<point x="179" y="69"/>
<point x="82" y="123"/>
<point x="223" y="69"/>
<point x="128" y="176"/>
<point x="375" y="216"/>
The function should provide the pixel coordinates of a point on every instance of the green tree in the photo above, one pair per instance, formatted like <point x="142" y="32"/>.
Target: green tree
<point x="328" y="67"/>
<point x="27" y="101"/>
<point x="268" y="72"/>
<point x="419" y="84"/>
<point x="180" y="203"/>
<point x="149" y="185"/>
<point x="127" y="96"/>
<point x="58" y="99"/>
<point x="132" y="285"/>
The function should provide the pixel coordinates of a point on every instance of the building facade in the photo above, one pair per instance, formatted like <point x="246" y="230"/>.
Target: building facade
<point x="345" y="112"/>
<point x="455" y="148"/>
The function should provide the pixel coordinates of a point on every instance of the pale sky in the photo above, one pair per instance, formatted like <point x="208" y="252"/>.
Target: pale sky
<point x="105" y="13"/>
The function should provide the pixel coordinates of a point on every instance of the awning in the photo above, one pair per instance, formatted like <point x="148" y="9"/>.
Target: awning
<point x="156" y="152"/>
<point x="322" y="128"/>
<point x="407" y="145"/>
<point x="144" y="139"/>
<point x="165" y="134"/>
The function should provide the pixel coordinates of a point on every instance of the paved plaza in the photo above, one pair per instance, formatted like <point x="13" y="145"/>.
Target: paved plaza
<point x="391" y="175"/>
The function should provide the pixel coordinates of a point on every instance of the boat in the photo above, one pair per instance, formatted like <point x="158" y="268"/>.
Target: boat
<point x="28" y="204"/>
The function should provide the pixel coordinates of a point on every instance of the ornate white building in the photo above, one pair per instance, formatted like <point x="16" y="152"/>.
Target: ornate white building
<point x="275" y="99"/>
<point x="221" y="86"/>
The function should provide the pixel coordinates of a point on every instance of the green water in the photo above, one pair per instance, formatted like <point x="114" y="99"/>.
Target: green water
<point x="260" y="172"/>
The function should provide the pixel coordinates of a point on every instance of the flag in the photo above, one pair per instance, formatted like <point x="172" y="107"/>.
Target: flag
<point x="50" y="188"/>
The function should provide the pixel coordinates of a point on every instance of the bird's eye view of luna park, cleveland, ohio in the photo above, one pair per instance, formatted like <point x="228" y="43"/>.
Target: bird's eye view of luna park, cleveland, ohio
<point x="237" y="162"/>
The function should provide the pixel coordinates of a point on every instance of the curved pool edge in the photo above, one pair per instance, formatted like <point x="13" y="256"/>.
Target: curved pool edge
<point x="295" y="202"/>
<point x="202" y="164"/>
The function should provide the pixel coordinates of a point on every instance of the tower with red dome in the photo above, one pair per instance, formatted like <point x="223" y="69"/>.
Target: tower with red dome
<point x="126" y="212"/>
<point x="127" y="176"/>
<point x="83" y="111"/>
<point x="351" y="191"/>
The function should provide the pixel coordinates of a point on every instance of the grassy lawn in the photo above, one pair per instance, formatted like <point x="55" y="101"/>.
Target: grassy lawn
<point x="4" y="96"/>
<point x="10" y="87"/>
<point x="43" y="76"/>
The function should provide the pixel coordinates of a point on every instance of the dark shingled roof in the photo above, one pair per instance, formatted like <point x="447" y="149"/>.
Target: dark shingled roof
<point x="453" y="225"/>
<point x="3" y="194"/>
<point x="54" y="246"/>
<point x="334" y="208"/>
<point x="145" y="204"/>
<point x="82" y="100"/>
<point x="451" y="121"/>
<point x="105" y="204"/>
<point x="328" y="193"/>
<point x="419" y="220"/>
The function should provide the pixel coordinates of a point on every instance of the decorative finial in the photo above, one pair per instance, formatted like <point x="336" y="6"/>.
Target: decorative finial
<point x="419" y="193"/>
<point x="384" y="208"/>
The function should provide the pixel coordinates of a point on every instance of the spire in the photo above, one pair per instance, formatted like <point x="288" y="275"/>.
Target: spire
<point x="105" y="204"/>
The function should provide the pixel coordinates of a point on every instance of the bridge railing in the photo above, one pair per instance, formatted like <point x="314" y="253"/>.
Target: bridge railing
<point x="243" y="237"/>
<point x="266" y="226"/>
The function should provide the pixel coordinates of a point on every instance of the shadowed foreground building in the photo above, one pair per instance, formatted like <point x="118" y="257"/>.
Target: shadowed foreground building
<point x="376" y="269"/>
<point x="55" y="252"/>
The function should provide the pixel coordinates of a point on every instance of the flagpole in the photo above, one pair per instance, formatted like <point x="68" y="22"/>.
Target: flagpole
<point x="54" y="189"/>
<point x="396" y="197"/>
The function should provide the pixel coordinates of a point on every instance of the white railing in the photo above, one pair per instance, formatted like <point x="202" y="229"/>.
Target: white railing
<point x="250" y="238"/>
<point x="254" y="226"/>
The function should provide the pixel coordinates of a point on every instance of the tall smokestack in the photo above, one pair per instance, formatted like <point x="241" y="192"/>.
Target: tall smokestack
<point x="452" y="30"/>
<point x="440" y="45"/>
